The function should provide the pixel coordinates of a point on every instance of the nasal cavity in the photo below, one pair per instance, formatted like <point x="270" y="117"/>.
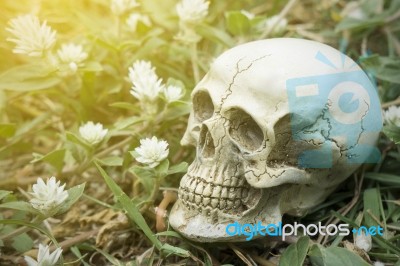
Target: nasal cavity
<point x="206" y="143"/>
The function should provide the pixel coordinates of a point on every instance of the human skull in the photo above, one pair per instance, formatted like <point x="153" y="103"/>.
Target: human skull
<point x="277" y="124"/>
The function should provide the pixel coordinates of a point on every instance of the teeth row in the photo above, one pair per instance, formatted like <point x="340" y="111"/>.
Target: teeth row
<point x="200" y="202"/>
<point x="196" y="193"/>
<point x="200" y="187"/>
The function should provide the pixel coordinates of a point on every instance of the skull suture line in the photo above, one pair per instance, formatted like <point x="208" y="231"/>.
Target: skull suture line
<point x="251" y="163"/>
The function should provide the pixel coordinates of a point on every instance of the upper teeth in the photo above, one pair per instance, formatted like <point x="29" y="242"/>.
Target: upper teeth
<point x="216" y="189"/>
<point x="195" y="192"/>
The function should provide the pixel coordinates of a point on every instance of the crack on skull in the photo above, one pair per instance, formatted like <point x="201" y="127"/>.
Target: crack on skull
<point x="277" y="105"/>
<point x="271" y="176"/>
<point x="238" y="72"/>
<point x="362" y="129"/>
<point x="327" y="135"/>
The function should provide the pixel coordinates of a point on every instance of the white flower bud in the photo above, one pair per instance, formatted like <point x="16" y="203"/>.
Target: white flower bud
<point x="93" y="133"/>
<point x="31" y="37"/>
<point x="45" y="258"/>
<point x="363" y="241"/>
<point x="152" y="151"/>
<point x="47" y="196"/>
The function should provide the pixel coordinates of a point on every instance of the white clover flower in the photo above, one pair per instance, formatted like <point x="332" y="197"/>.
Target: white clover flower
<point x="47" y="196"/>
<point x="146" y="84"/>
<point x="378" y="263"/>
<point x="353" y="10"/>
<point x="363" y="241"/>
<point x="173" y="93"/>
<point x="278" y="26"/>
<point x="192" y="11"/>
<point x="45" y="258"/>
<point x="31" y="37"/>
<point x="392" y="116"/>
<point x="92" y="133"/>
<point x="72" y="55"/>
<point x="119" y="7"/>
<point x="152" y="151"/>
<point x="133" y="20"/>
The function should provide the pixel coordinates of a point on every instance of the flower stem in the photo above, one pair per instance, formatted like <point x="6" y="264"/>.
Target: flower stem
<point x="392" y="103"/>
<point x="20" y="230"/>
<point x="195" y="59"/>
<point x="281" y="15"/>
<point x="118" y="27"/>
<point x="153" y="195"/>
<point x="15" y="233"/>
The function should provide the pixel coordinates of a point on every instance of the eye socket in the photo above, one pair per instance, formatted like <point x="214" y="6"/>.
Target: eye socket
<point x="286" y="150"/>
<point x="203" y="106"/>
<point x="244" y="130"/>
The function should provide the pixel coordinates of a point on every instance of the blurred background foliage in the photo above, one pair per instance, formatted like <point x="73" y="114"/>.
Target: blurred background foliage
<point x="41" y="110"/>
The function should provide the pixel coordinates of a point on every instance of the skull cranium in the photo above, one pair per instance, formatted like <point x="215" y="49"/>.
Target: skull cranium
<point x="254" y="135"/>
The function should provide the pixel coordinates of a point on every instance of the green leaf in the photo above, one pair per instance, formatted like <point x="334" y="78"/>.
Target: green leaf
<point x="31" y="124"/>
<point x="92" y="66"/>
<point x="169" y="250"/>
<point x="237" y="23"/>
<point x="22" y="243"/>
<point x="162" y="168"/>
<point x="54" y="158"/>
<point x="77" y="140"/>
<point x="7" y="130"/>
<point x="127" y="122"/>
<point x="143" y="172"/>
<point x="19" y="206"/>
<point x="176" y="110"/>
<point x="111" y="161"/>
<point x="29" y="77"/>
<point x="372" y="7"/>
<point x="371" y="203"/>
<point x="146" y="177"/>
<point x="389" y="69"/>
<point x="334" y="256"/>
<point x="358" y="24"/>
<point x="31" y="225"/>
<point x="215" y="34"/>
<point x="114" y="261"/>
<point x="384" y="68"/>
<point x="178" y="168"/>
<point x="344" y="219"/>
<point x="386" y="245"/>
<point x="131" y="209"/>
<point x="4" y="193"/>
<point x="125" y="105"/>
<point x="153" y="44"/>
<point x="392" y="132"/>
<point x="75" y="250"/>
<point x="170" y="233"/>
<point x="296" y="253"/>
<point x="74" y="194"/>
<point x="384" y="178"/>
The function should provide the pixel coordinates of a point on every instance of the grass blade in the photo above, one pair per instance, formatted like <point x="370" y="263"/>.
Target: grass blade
<point x="131" y="209"/>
